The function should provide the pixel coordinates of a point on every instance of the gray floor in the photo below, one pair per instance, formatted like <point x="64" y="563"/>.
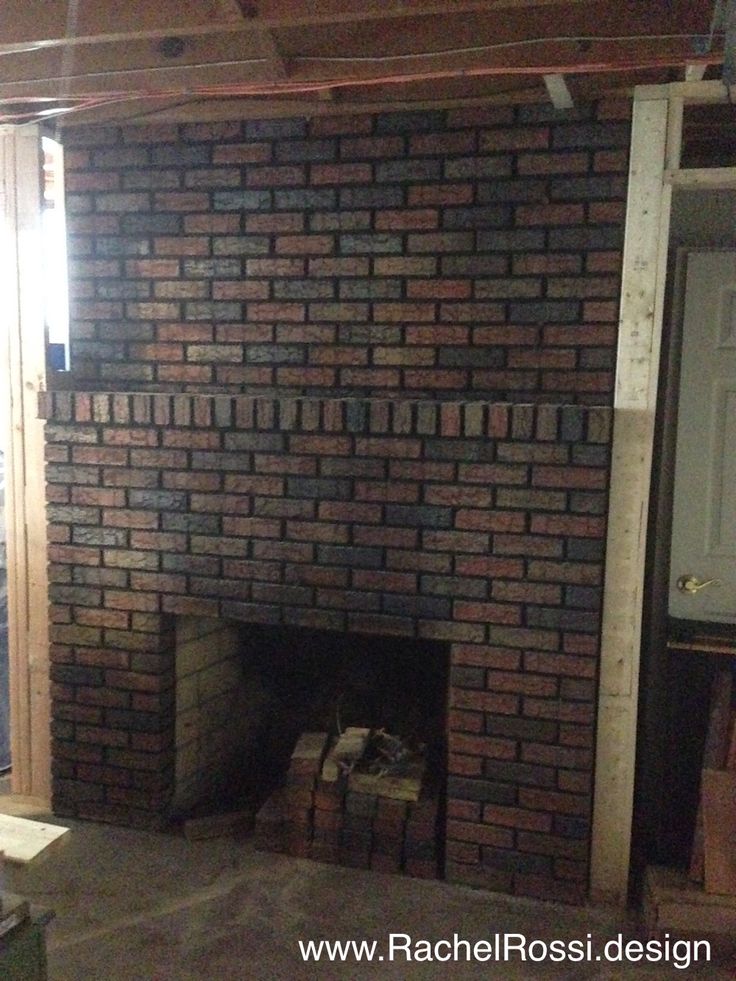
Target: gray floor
<point x="131" y="905"/>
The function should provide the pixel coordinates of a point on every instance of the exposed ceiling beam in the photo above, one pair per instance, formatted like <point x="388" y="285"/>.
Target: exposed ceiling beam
<point x="695" y="73"/>
<point x="558" y="91"/>
<point x="33" y="23"/>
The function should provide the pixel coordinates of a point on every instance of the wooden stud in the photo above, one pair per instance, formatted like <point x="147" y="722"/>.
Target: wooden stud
<point x="24" y="367"/>
<point x="716" y="178"/>
<point x="642" y="294"/>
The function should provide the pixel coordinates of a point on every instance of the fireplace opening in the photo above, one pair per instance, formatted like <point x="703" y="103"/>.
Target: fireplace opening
<point x="335" y="741"/>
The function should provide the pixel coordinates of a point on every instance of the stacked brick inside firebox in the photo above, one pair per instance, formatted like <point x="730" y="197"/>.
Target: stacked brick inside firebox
<point x="385" y="285"/>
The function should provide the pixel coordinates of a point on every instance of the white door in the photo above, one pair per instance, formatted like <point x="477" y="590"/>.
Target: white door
<point x="703" y="564"/>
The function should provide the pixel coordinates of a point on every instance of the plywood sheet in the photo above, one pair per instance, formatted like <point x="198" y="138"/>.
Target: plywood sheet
<point x="718" y="798"/>
<point x="23" y="841"/>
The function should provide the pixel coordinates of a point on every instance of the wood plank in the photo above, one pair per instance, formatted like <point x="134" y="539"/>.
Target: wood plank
<point x="347" y="750"/>
<point x="672" y="904"/>
<point x="714" y="757"/>
<point x="23" y="841"/>
<point x="635" y="402"/>
<point x="718" y="795"/>
<point x="558" y="91"/>
<point x="713" y="178"/>
<point x="407" y="787"/>
<point x="25" y="23"/>
<point x="23" y="359"/>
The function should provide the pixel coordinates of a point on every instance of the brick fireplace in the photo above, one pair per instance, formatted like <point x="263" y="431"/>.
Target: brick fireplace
<point x="348" y="375"/>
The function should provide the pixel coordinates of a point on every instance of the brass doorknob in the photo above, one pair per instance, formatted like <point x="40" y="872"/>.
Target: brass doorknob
<point x="691" y="584"/>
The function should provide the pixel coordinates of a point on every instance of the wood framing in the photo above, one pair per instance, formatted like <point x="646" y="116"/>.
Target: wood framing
<point x="654" y="170"/>
<point x="23" y="354"/>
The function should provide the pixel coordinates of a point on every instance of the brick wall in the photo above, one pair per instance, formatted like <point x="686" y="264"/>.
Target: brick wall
<point x="440" y="254"/>
<point x="481" y="525"/>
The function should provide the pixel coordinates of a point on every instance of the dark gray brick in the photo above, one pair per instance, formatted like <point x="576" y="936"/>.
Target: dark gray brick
<point x="587" y="503"/>
<point x="321" y="488"/>
<point x="514" y="240"/>
<point x="410" y="122"/>
<point x="242" y="200"/>
<point x="543" y="112"/>
<point x="303" y="289"/>
<point x="275" y="354"/>
<point x="572" y="827"/>
<point x="121" y="289"/>
<point x="203" y="524"/>
<point x="151" y="224"/>
<point x="466" y="677"/>
<point x="471" y="357"/>
<point x="587" y="188"/>
<point x="119" y="246"/>
<point x="586" y="549"/>
<point x="361" y="558"/>
<point x="550" y="311"/>
<point x="299" y="151"/>
<point x="486" y="791"/>
<point x="371" y="197"/>
<point x="212" y="268"/>
<point x="356" y="417"/>
<point x="267" y="129"/>
<point x="587" y="238"/>
<point x="432" y="608"/>
<point x="591" y="136"/>
<point x="514" y="727"/>
<point x="307" y="198"/>
<point x="256" y="442"/>
<point x="473" y="167"/>
<point x="370" y="289"/>
<point x="158" y="500"/>
<point x="378" y="243"/>
<point x="490" y="216"/>
<point x="572" y="423"/>
<point x="520" y="189"/>
<point x="454" y="586"/>
<point x="526" y="773"/>
<point x="473" y="265"/>
<point x="112" y="537"/>
<point x="246" y="245"/>
<point x="422" y="516"/>
<point x="213" y="310"/>
<point x="340" y="221"/>
<point x="176" y="155"/>
<point x="554" y="618"/>
<point x="590" y="456"/>
<point x="408" y="170"/>
<point x="584" y="597"/>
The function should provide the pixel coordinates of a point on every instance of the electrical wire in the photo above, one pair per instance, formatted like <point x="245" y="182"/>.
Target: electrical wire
<point x="497" y="46"/>
<point x="286" y="87"/>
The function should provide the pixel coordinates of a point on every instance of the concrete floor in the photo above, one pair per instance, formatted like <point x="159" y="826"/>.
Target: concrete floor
<point x="134" y="906"/>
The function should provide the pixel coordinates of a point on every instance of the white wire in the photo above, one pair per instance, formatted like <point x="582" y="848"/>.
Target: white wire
<point x="477" y="49"/>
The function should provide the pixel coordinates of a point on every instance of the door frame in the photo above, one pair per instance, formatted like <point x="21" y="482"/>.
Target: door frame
<point x="654" y="169"/>
<point x="23" y="357"/>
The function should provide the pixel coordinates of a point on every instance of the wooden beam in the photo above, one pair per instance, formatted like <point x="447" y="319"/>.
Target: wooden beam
<point x="705" y="178"/>
<point x="637" y="371"/>
<point x="30" y="22"/>
<point x="270" y="50"/>
<point x="23" y="360"/>
<point x="558" y="91"/>
<point x="695" y="73"/>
